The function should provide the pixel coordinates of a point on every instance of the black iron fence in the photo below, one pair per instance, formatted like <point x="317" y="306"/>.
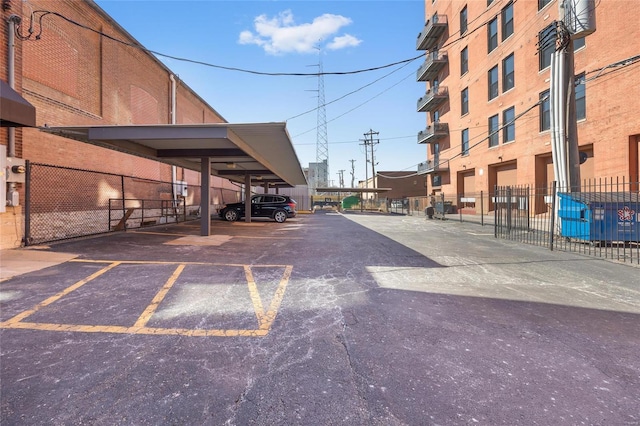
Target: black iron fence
<point x="601" y="218"/>
<point x="63" y="203"/>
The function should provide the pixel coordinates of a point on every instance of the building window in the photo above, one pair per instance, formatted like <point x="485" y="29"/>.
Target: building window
<point x="508" y="125"/>
<point x="543" y="3"/>
<point x="545" y="111"/>
<point x="463" y="20"/>
<point x="581" y="98"/>
<point x="464" y="61"/>
<point x="492" y="34"/>
<point x="465" y="142"/>
<point x="493" y="82"/>
<point x="508" y="73"/>
<point x="494" y="137"/>
<point x="578" y="43"/>
<point x="464" y="99"/>
<point x="546" y="45"/>
<point x="507" y="21"/>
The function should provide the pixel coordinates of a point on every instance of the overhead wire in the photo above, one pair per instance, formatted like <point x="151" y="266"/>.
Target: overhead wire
<point x="40" y="14"/>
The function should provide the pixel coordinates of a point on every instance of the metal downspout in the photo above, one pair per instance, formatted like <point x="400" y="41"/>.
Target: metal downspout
<point x="174" y="169"/>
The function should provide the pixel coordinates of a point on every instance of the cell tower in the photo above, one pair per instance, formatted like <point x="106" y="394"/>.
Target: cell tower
<point x="322" y="145"/>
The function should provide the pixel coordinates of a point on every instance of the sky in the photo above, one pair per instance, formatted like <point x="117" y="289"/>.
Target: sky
<point x="295" y="37"/>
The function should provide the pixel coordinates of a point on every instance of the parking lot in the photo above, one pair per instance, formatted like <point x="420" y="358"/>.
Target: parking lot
<point x="324" y="319"/>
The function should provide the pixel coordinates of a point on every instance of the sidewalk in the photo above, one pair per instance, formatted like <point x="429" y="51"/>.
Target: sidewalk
<point x="20" y="261"/>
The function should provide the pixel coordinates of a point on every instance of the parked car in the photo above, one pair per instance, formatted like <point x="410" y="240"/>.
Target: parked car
<point x="276" y="207"/>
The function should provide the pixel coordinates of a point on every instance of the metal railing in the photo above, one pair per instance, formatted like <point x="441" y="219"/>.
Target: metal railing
<point x="601" y="218"/>
<point x="136" y="213"/>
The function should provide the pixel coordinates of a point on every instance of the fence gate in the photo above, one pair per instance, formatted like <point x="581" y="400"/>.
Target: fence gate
<point x="512" y="212"/>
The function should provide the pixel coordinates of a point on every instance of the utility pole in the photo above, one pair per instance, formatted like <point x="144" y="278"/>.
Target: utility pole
<point x="353" y="173"/>
<point x="341" y="178"/>
<point x="366" y="161"/>
<point x="370" y="142"/>
<point x="576" y="19"/>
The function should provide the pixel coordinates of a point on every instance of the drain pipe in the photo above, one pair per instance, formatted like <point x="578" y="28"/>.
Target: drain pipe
<point x="173" y="119"/>
<point x="11" y="65"/>
<point x="13" y="21"/>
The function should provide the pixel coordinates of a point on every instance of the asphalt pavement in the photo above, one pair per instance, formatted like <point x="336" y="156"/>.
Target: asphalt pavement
<point x="327" y="319"/>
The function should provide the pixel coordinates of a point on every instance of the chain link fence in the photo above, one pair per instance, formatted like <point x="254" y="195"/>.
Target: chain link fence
<point x="63" y="203"/>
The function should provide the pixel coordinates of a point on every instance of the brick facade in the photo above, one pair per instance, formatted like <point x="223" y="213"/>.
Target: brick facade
<point x="608" y="134"/>
<point x="74" y="76"/>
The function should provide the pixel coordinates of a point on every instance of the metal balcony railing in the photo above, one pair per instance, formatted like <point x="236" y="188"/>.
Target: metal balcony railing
<point x="437" y="165"/>
<point x="433" y="98"/>
<point x="433" y="63"/>
<point x="433" y="132"/>
<point x="433" y="29"/>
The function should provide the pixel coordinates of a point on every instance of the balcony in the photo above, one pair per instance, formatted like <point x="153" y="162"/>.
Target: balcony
<point x="434" y="97"/>
<point x="433" y="63"/>
<point x="433" y="29"/>
<point x="434" y="132"/>
<point x="433" y="166"/>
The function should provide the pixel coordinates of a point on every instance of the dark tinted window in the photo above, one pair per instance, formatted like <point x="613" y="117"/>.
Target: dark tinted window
<point x="508" y="73"/>
<point x="509" y="125"/>
<point x="464" y="61"/>
<point x="545" y="111"/>
<point x="493" y="82"/>
<point x="463" y="20"/>
<point x="494" y="137"/>
<point x="581" y="98"/>
<point x="464" y="99"/>
<point x="507" y="21"/>
<point x="492" y="34"/>
<point x="465" y="142"/>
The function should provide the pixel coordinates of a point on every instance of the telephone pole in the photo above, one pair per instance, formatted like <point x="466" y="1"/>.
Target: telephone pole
<point x="353" y="173"/>
<point x="370" y="142"/>
<point x="341" y="178"/>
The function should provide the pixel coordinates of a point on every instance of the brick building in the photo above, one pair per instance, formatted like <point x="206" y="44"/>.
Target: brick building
<point x="74" y="76"/>
<point x="483" y="68"/>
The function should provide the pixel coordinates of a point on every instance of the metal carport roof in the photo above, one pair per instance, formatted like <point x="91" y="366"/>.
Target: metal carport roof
<point x="15" y="111"/>
<point x="248" y="153"/>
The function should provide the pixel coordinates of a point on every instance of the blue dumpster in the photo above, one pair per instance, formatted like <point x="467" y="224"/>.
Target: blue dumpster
<point x="600" y="216"/>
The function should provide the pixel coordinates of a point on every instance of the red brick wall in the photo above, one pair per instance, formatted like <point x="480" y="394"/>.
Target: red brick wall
<point x="74" y="76"/>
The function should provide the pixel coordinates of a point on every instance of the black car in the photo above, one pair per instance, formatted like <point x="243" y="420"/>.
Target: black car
<point x="276" y="207"/>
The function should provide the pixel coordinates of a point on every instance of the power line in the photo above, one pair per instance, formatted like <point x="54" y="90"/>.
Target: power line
<point x="40" y="14"/>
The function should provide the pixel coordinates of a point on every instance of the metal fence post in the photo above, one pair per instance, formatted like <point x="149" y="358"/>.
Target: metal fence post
<point x="481" y="208"/>
<point x="27" y="203"/>
<point x="553" y="216"/>
<point x="124" y="210"/>
<point x="495" y="212"/>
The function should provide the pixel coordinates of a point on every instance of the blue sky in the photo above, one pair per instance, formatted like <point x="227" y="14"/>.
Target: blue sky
<point x="283" y="37"/>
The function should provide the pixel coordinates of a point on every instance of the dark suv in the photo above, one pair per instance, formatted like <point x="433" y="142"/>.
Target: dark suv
<point x="276" y="207"/>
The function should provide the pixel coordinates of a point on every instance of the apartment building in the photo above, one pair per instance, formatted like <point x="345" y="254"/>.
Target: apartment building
<point x="487" y="78"/>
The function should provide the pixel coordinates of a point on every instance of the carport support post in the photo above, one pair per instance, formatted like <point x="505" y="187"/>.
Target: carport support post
<point x="205" y="201"/>
<point x="247" y="198"/>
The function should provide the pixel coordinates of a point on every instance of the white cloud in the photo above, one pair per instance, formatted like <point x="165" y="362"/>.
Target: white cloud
<point x="344" y="41"/>
<point x="280" y="34"/>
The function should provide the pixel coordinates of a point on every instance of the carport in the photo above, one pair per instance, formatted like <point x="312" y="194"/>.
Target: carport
<point x="15" y="111"/>
<point x="248" y="153"/>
